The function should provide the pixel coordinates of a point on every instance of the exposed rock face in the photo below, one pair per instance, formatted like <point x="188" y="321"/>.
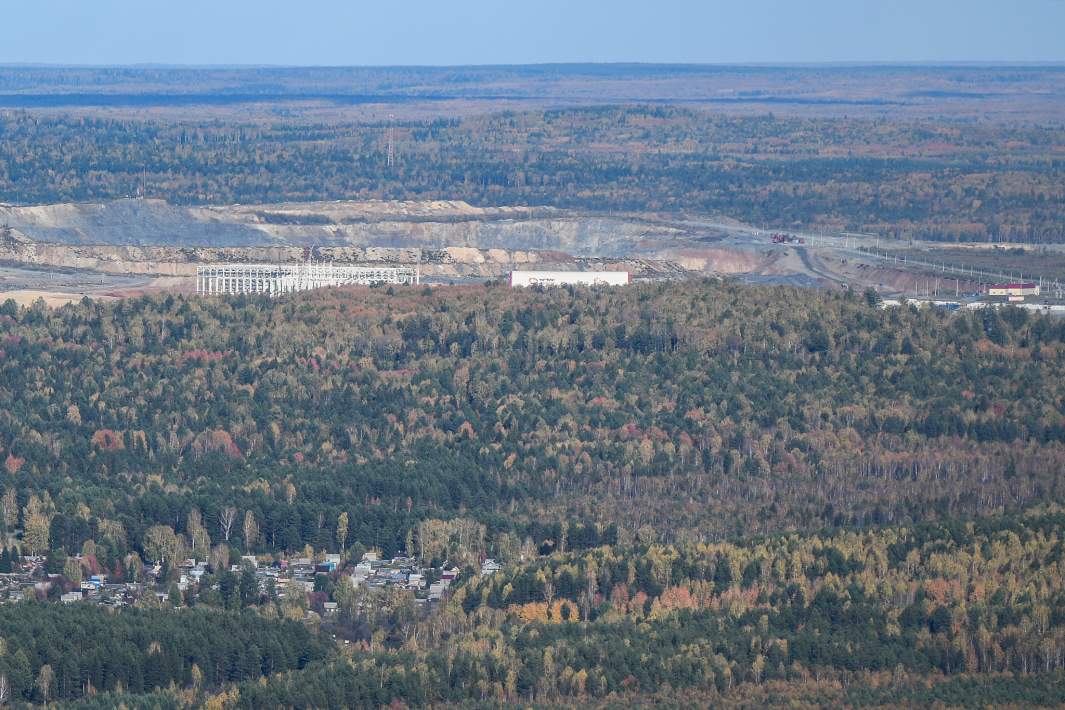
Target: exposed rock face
<point x="450" y="240"/>
<point x="358" y="224"/>
<point x="450" y="262"/>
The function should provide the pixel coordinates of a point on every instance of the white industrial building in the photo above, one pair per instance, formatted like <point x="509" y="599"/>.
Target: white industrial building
<point x="562" y="278"/>
<point x="275" y="279"/>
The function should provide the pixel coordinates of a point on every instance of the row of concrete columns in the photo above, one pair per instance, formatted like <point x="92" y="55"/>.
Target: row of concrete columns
<point x="216" y="279"/>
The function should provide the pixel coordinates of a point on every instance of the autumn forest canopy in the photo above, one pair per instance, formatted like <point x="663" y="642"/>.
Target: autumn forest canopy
<point x="699" y="492"/>
<point x="909" y="178"/>
<point x="692" y="493"/>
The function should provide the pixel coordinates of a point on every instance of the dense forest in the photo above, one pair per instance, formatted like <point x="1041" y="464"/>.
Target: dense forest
<point x="706" y="490"/>
<point x="87" y="649"/>
<point x="923" y="179"/>
<point x="707" y="410"/>
<point x="946" y="615"/>
<point x="682" y="398"/>
<point x="878" y="608"/>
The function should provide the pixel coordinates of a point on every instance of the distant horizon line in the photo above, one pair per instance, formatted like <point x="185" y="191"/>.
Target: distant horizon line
<point x="757" y="64"/>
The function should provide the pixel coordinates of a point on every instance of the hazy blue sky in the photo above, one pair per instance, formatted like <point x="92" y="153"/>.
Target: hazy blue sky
<point x="521" y="31"/>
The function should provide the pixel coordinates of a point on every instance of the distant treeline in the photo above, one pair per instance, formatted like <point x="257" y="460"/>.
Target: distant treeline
<point x="925" y="180"/>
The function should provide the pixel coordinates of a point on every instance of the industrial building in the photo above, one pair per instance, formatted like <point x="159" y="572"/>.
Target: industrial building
<point x="563" y="278"/>
<point x="277" y="279"/>
<point x="1014" y="291"/>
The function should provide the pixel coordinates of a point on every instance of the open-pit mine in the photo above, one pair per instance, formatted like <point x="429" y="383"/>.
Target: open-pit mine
<point x="127" y="247"/>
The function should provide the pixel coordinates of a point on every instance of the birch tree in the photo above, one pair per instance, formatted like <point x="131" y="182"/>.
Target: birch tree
<point x="251" y="531"/>
<point x="226" y="519"/>
<point x="342" y="529"/>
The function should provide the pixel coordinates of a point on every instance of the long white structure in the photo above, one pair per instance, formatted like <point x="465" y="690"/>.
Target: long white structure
<point x="562" y="278"/>
<point x="276" y="279"/>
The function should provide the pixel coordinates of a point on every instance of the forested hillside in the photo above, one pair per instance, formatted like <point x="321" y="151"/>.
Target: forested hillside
<point x="929" y="180"/>
<point x="704" y="487"/>
<point x="959" y="615"/>
<point x="879" y="609"/>
<point x="704" y="409"/>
